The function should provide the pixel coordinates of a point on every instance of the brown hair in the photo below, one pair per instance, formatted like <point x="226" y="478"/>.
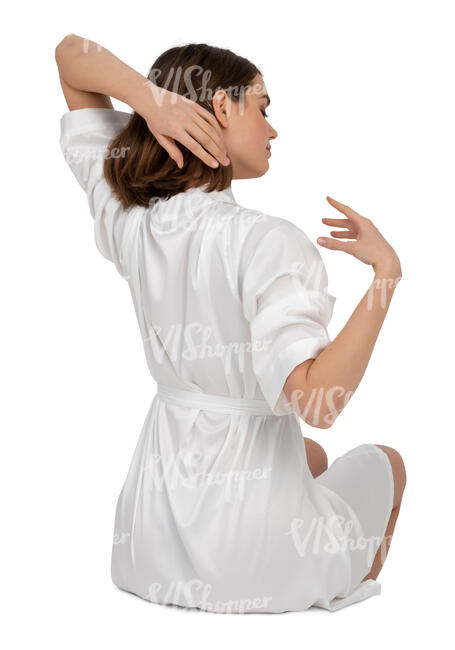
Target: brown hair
<point x="147" y="171"/>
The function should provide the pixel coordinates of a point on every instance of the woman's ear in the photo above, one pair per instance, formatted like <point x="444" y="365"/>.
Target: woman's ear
<point x="221" y="106"/>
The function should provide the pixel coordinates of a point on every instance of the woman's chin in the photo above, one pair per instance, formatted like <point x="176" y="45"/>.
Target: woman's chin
<point x="253" y="172"/>
<point x="265" y="169"/>
<point x="262" y="169"/>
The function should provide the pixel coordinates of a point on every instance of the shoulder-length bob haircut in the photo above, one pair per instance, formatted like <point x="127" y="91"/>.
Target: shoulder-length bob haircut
<point x="146" y="171"/>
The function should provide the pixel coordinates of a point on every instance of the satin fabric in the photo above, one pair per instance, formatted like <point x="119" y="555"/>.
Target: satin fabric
<point x="219" y="510"/>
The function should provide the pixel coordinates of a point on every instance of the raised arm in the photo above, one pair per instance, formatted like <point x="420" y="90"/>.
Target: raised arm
<point x="90" y="75"/>
<point x="320" y="388"/>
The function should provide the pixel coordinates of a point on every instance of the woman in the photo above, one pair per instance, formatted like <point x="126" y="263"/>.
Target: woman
<point x="226" y="507"/>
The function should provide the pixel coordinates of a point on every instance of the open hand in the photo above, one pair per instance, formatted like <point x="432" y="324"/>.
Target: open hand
<point x="369" y="246"/>
<point x="171" y="116"/>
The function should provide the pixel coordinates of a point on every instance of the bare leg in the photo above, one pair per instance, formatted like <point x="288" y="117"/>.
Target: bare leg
<point x="316" y="457"/>
<point x="383" y="549"/>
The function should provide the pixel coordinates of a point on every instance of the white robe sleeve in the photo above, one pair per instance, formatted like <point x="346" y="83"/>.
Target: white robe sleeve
<point x="283" y="283"/>
<point x="84" y="137"/>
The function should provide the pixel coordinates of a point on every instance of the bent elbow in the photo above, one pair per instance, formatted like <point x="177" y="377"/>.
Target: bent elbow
<point x="66" y="42"/>
<point x="318" y="425"/>
<point x="301" y="394"/>
<point x="320" y="419"/>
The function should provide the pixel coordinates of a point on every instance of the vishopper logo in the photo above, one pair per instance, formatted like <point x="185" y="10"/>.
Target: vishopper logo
<point x="320" y="528"/>
<point x="77" y="155"/>
<point x="86" y="45"/>
<point x="196" y="594"/>
<point x="196" y="340"/>
<point x="202" y="94"/>
<point x="309" y="276"/>
<point x="167" y="216"/>
<point x="321" y="406"/>
<point x="381" y="285"/>
<point x="191" y="470"/>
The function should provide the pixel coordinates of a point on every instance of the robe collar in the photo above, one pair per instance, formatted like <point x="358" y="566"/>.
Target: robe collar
<point x="224" y="196"/>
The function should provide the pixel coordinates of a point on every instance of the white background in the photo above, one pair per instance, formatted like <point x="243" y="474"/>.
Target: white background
<point x="362" y="99"/>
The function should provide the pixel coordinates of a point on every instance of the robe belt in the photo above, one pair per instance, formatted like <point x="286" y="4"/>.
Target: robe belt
<point x="211" y="402"/>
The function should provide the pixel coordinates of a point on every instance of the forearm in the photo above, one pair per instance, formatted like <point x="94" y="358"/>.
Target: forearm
<point x="85" y="65"/>
<point x="335" y="374"/>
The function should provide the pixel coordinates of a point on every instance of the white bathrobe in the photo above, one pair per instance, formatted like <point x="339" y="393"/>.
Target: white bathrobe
<point x="219" y="509"/>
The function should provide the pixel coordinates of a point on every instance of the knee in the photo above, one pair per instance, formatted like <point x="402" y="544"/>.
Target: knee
<point x="398" y="469"/>
<point x="396" y="459"/>
<point x="316" y="457"/>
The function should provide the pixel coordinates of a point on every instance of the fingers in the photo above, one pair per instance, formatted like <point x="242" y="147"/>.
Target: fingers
<point x="169" y="145"/>
<point x="350" y="232"/>
<point x="212" y="125"/>
<point x="211" y="119"/>
<point x="345" y="209"/>
<point x="190" y="143"/>
<point x="345" y="234"/>
<point x="209" y="138"/>
<point x="342" y="223"/>
<point x="335" y="245"/>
